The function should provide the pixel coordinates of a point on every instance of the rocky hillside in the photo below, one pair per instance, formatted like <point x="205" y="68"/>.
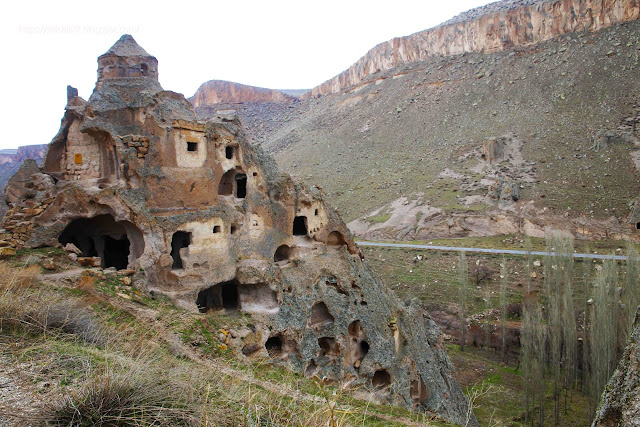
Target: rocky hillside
<point x="261" y="110"/>
<point x="496" y="27"/>
<point x="10" y="161"/>
<point x="545" y="133"/>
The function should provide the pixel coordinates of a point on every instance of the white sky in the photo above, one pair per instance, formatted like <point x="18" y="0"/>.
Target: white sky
<point x="275" y="44"/>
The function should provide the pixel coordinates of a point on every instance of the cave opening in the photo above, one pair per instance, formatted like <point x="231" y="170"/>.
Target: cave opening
<point x="116" y="251"/>
<point x="300" y="226"/>
<point x="219" y="297"/>
<point x="274" y="346"/>
<point x="101" y="236"/>
<point x="381" y="379"/>
<point x="180" y="240"/>
<point x="241" y="186"/>
<point x="283" y="253"/>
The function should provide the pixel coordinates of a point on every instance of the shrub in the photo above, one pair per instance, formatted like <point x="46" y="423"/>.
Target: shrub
<point x="139" y="396"/>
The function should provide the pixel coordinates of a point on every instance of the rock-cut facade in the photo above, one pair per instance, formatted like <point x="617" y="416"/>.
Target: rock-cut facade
<point x="135" y="182"/>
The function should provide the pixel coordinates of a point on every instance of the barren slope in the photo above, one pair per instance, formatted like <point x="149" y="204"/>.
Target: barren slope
<point x="419" y="129"/>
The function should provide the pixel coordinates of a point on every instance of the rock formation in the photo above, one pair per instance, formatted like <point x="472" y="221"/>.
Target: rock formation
<point x="222" y="92"/>
<point x="10" y="161"/>
<point x="134" y="181"/>
<point x="510" y="24"/>
<point x="620" y="403"/>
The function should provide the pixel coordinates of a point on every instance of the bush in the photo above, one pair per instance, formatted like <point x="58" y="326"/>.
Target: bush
<point x="140" y="396"/>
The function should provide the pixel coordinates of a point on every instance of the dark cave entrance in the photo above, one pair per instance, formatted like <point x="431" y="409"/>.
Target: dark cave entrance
<point x="101" y="236"/>
<point x="180" y="239"/>
<point x="274" y="346"/>
<point x="218" y="297"/>
<point x="300" y="226"/>
<point x="116" y="252"/>
<point x="241" y="186"/>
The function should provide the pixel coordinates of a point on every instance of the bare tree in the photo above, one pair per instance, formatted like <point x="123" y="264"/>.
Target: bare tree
<point x="463" y="278"/>
<point x="503" y="306"/>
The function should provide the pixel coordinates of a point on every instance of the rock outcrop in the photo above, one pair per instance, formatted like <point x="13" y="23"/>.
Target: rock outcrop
<point x="620" y="403"/>
<point x="223" y="92"/>
<point x="133" y="181"/>
<point x="494" y="29"/>
<point x="10" y="161"/>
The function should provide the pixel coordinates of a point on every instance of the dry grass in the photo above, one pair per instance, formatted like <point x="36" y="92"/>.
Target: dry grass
<point x="17" y="296"/>
<point x="118" y="369"/>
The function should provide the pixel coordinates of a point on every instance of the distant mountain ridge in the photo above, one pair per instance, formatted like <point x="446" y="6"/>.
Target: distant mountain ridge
<point x="224" y="92"/>
<point x="18" y="155"/>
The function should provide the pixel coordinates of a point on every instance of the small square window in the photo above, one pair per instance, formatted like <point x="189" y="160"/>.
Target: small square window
<point x="216" y="228"/>
<point x="192" y="146"/>
<point x="228" y="151"/>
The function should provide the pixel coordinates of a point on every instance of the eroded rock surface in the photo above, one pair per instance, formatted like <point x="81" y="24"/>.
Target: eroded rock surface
<point x="620" y="403"/>
<point x="490" y="29"/>
<point x="133" y="181"/>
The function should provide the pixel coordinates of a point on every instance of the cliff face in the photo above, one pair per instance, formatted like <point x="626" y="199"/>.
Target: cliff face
<point x="222" y="92"/>
<point x="489" y="32"/>
<point x="35" y="152"/>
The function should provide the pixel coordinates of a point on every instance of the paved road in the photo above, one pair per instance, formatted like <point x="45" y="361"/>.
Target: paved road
<point x="483" y="250"/>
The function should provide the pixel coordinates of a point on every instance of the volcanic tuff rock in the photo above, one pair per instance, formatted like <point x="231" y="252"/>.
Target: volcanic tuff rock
<point x="134" y="181"/>
<point x="490" y="29"/>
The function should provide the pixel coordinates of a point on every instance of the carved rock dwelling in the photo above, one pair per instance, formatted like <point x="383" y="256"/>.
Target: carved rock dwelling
<point x="133" y="180"/>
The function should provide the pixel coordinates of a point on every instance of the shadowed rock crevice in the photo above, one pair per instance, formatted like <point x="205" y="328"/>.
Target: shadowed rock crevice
<point x="320" y="315"/>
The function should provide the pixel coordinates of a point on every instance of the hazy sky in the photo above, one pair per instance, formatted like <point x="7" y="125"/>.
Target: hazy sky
<point x="275" y="44"/>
